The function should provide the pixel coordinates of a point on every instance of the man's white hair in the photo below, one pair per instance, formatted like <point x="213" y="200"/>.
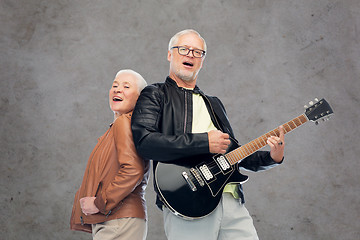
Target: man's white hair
<point x="175" y="38"/>
<point x="140" y="81"/>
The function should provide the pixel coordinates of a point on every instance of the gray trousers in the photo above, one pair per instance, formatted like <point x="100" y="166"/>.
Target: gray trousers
<point x="120" y="229"/>
<point x="230" y="220"/>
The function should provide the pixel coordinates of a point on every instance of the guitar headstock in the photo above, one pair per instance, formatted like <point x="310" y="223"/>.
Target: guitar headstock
<point x="318" y="110"/>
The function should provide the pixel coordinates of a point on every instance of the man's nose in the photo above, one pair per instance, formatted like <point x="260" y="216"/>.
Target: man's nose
<point x="190" y="53"/>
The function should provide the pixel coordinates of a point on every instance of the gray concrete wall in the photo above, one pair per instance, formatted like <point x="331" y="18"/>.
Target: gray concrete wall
<point x="266" y="59"/>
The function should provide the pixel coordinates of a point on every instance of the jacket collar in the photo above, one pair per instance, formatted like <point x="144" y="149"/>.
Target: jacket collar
<point x="171" y="82"/>
<point x="128" y="115"/>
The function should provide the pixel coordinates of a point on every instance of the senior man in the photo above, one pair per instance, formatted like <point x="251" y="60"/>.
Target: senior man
<point x="175" y="121"/>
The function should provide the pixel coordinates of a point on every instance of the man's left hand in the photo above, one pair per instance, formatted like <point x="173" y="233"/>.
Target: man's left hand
<point x="277" y="145"/>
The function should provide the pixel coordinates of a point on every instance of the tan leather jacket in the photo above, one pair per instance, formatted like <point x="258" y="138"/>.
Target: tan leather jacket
<point x="116" y="175"/>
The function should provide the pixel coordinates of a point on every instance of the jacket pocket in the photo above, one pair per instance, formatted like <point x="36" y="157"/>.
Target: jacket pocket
<point x="75" y="219"/>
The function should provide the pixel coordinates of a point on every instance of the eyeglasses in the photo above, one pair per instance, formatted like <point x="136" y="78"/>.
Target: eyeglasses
<point x="185" y="51"/>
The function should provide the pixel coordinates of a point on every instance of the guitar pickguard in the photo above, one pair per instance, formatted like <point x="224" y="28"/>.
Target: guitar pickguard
<point x="216" y="173"/>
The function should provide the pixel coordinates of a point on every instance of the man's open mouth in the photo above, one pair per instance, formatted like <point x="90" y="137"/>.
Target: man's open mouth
<point x="188" y="64"/>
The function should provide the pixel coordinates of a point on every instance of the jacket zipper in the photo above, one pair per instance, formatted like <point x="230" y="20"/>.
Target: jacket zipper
<point x="81" y="217"/>
<point x="95" y="152"/>
<point x="186" y="106"/>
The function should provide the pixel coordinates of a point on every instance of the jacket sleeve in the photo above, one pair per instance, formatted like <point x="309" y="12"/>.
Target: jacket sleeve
<point x="258" y="161"/>
<point x="131" y="168"/>
<point x="150" y="142"/>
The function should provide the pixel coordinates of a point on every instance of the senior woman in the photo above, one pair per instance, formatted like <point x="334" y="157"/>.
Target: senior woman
<point x="110" y="202"/>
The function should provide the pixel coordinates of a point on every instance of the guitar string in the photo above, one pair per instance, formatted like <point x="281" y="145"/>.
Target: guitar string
<point x="251" y="147"/>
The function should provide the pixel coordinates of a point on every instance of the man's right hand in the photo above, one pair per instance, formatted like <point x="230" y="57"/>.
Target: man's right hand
<point x="218" y="141"/>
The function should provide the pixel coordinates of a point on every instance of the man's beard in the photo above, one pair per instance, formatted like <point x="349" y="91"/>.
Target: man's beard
<point x="186" y="76"/>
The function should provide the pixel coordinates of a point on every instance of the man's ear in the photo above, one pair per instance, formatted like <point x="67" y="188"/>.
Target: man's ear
<point x="169" y="56"/>
<point x="202" y="62"/>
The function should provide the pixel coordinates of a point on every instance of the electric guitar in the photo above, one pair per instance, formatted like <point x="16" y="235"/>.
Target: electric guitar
<point x="192" y="187"/>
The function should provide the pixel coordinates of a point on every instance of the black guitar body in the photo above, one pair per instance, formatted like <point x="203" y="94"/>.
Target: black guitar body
<point x="192" y="188"/>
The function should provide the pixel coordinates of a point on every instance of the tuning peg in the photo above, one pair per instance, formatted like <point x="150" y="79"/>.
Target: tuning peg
<point x="316" y="123"/>
<point x="305" y="106"/>
<point x="311" y="103"/>
<point x="316" y="99"/>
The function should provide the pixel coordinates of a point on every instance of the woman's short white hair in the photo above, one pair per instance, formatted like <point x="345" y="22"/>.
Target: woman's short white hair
<point x="140" y="81"/>
<point x="175" y="38"/>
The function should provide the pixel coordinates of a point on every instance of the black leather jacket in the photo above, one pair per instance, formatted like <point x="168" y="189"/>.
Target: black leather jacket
<point x="162" y="124"/>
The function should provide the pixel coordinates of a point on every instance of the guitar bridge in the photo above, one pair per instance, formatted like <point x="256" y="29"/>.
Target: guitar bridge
<point x="189" y="182"/>
<point x="197" y="176"/>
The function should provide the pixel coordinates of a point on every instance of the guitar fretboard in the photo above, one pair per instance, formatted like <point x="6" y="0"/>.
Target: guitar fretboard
<point x="258" y="143"/>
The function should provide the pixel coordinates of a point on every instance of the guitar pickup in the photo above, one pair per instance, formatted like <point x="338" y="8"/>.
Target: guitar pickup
<point x="223" y="164"/>
<point x="206" y="172"/>
<point x="189" y="182"/>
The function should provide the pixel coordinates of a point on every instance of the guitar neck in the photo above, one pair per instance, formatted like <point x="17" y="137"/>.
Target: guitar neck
<point x="246" y="150"/>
